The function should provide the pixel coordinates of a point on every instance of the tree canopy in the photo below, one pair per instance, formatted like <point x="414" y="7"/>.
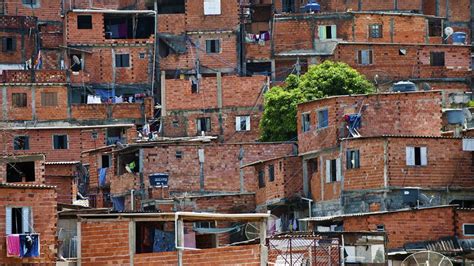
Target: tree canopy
<point x="326" y="79"/>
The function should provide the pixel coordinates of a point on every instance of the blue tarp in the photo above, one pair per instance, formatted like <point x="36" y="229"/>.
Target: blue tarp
<point x="163" y="241"/>
<point x="119" y="203"/>
<point x="29" y="246"/>
<point x="102" y="176"/>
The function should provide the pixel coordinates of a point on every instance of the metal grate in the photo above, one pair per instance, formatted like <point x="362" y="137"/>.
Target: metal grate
<point x="303" y="250"/>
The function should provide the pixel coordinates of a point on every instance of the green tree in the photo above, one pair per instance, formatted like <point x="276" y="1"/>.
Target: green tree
<point x="329" y="78"/>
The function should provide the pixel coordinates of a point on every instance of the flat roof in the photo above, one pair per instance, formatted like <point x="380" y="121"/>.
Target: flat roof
<point x="113" y="11"/>
<point x="340" y="216"/>
<point x="186" y="216"/>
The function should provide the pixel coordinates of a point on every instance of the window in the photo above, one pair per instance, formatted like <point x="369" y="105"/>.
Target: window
<point x="212" y="7"/>
<point x="333" y="170"/>
<point x="327" y="32"/>
<point x="60" y="142"/>
<point x="106" y="161"/>
<point x="306" y="122"/>
<point x="242" y="123"/>
<point x="21" y="143"/>
<point x="84" y="22"/>
<point x="18" y="220"/>
<point x="261" y="178"/>
<point x="380" y="228"/>
<point x="203" y="124"/>
<point x="323" y="118"/>
<point x="8" y="44"/>
<point x="49" y="99"/>
<point x="288" y="6"/>
<point x="416" y="156"/>
<point x="122" y="60"/>
<point x="179" y="154"/>
<point x="352" y="159"/>
<point x="194" y="84"/>
<point x="468" y="229"/>
<point x="365" y="57"/>
<point x="142" y="55"/>
<point x="213" y="46"/>
<point x="29" y="2"/>
<point x="271" y="173"/>
<point x="434" y="27"/>
<point x="20" y="172"/>
<point x="19" y="100"/>
<point x="375" y="31"/>
<point x="437" y="58"/>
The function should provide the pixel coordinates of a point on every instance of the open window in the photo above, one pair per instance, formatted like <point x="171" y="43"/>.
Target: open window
<point x="203" y="124"/>
<point x="128" y="26"/>
<point x="333" y="170"/>
<point x="151" y="237"/>
<point x="128" y="163"/>
<point x="105" y="160"/>
<point x="242" y="123"/>
<point x="170" y="7"/>
<point x="352" y="159"/>
<point x="327" y="32"/>
<point x="20" y="172"/>
<point x="60" y="142"/>
<point x="213" y="46"/>
<point x="416" y="156"/>
<point x="18" y="220"/>
<point x="84" y="22"/>
<point x="114" y="135"/>
<point x="21" y="143"/>
<point x="8" y="44"/>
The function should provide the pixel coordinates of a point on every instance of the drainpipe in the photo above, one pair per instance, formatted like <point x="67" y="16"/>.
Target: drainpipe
<point x="132" y="201"/>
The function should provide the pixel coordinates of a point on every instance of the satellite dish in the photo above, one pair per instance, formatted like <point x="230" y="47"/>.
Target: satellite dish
<point x="448" y="31"/>
<point x="427" y="258"/>
<point x="76" y="60"/>
<point x="426" y="86"/>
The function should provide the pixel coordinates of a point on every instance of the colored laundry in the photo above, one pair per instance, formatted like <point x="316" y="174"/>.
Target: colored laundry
<point x="102" y="176"/>
<point x="29" y="246"/>
<point x="13" y="245"/>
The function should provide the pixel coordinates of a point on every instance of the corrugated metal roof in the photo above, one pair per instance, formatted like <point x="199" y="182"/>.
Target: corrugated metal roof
<point x="339" y="216"/>
<point x="23" y="186"/>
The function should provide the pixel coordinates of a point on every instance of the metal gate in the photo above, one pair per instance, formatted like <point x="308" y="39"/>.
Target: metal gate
<point x="292" y="250"/>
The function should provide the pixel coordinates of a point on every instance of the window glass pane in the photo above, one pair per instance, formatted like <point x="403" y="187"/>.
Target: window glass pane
<point x="323" y="118"/>
<point x="60" y="142"/>
<point x="271" y="172"/>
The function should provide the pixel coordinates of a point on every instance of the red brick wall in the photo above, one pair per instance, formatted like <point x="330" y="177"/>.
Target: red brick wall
<point x="407" y="226"/>
<point x="404" y="113"/>
<point x="43" y="204"/>
<point x="105" y="242"/>
<point x="94" y="35"/>
<point x="288" y="180"/>
<point x="241" y="255"/>
<point x="447" y="165"/>
<point x="172" y="23"/>
<point x="369" y="5"/>
<point x="320" y="189"/>
<point x="64" y="178"/>
<point x="196" y="20"/>
<point x="244" y="203"/>
<point x="463" y="216"/>
<point x="47" y="10"/>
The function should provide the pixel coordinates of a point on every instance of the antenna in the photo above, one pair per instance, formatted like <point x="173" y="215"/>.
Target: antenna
<point x="427" y="258"/>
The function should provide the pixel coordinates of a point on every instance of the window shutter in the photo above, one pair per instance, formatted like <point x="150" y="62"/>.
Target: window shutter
<point x="410" y="155"/>
<point x="328" y="171"/>
<point x="247" y="123"/>
<point x="322" y="32"/>
<point x="4" y="44"/>
<point x="25" y="214"/>
<point x="8" y="220"/>
<point x="237" y="123"/>
<point x="198" y="125"/>
<point x="357" y="159"/>
<point x="333" y="31"/>
<point x="424" y="156"/>
<point x="348" y="159"/>
<point x="338" y="169"/>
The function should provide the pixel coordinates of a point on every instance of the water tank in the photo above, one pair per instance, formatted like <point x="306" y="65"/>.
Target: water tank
<point x="459" y="37"/>
<point x="404" y="86"/>
<point x="455" y="116"/>
<point x="312" y="6"/>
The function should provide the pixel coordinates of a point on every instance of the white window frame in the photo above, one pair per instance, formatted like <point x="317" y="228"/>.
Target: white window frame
<point x="464" y="229"/>
<point x="212" y="7"/>
<point x="26" y="215"/>
<point x="322" y="32"/>
<point x="238" y="120"/>
<point x="410" y="156"/>
<point x="338" y="171"/>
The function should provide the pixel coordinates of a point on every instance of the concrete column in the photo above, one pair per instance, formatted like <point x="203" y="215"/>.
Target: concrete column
<point x="263" y="239"/>
<point x="392" y="29"/>
<point x="201" y="169"/>
<point x="219" y="90"/>
<point x="4" y="103"/>
<point x="163" y="93"/>
<point x="131" y="240"/>
<point x="305" y="178"/>
<point x="33" y="102"/>
<point x="180" y="240"/>
<point x="79" y="244"/>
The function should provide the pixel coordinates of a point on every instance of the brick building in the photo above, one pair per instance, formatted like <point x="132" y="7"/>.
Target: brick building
<point x="35" y="205"/>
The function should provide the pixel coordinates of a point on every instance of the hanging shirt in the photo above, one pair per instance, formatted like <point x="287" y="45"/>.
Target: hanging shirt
<point x="13" y="245"/>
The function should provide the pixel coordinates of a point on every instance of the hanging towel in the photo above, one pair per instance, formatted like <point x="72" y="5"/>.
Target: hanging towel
<point x="29" y="246"/>
<point x="102" y="176"/>
<point x="118" y="203"/>
<point x="13" y="246"/>
<point x="163" y="241"/>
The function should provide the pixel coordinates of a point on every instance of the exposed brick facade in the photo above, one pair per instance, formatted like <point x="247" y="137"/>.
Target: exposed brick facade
<point x="407" y="226"/>
<point x="42" y="202"/>
<point x="64" y="178"/>
<point x="403" y="113"/>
